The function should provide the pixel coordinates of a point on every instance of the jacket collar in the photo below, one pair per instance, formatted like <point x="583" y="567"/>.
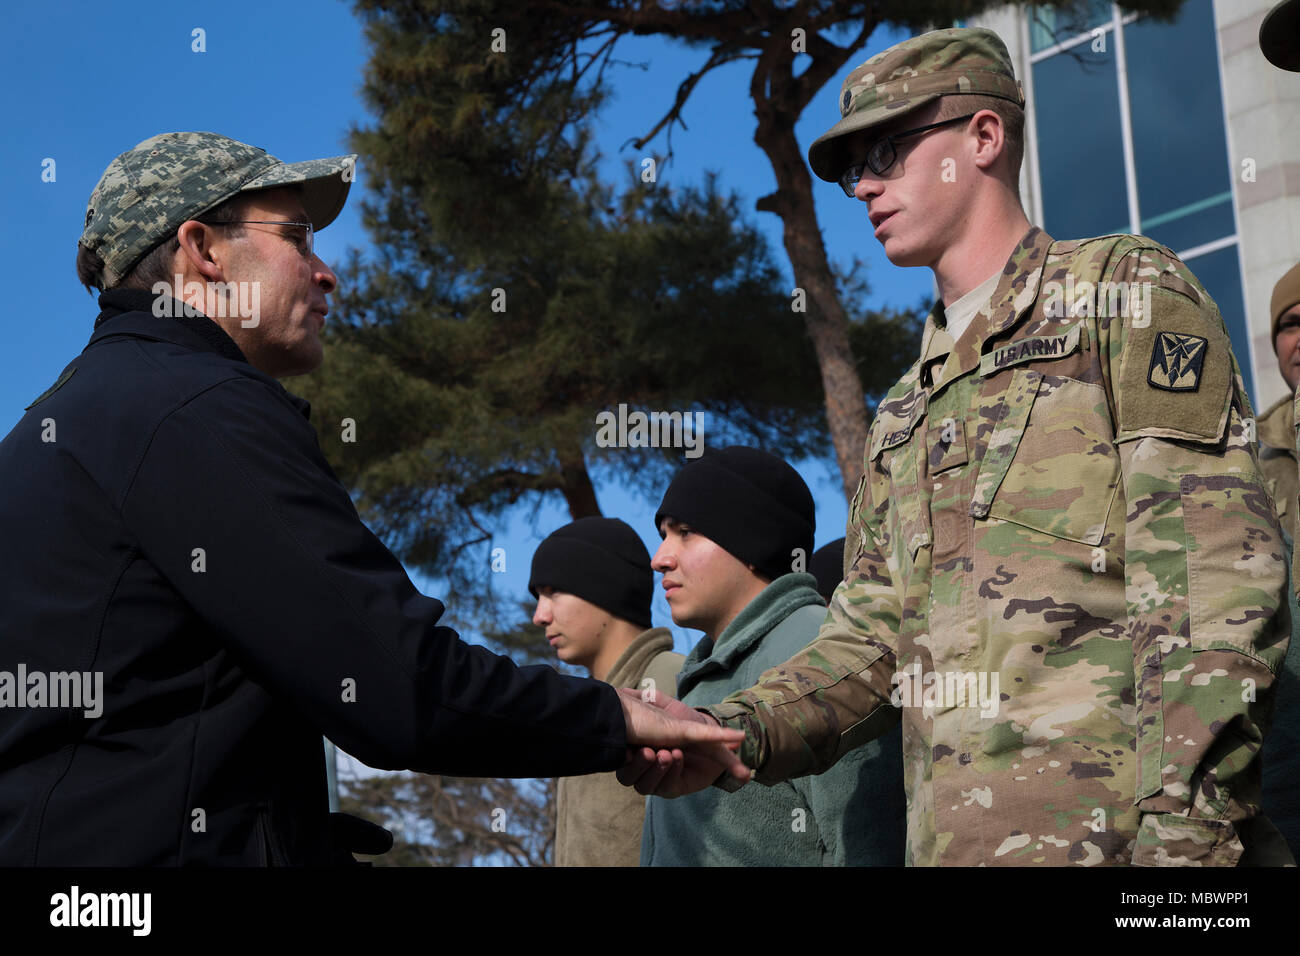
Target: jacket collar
<point x="632" y="663"/>
<point x="1277" y="425"/>
<point x="172" y="316"/>
<point x="134" y="313"/>
<point x="1006" y="307"/>
<point x="774" y="604"/>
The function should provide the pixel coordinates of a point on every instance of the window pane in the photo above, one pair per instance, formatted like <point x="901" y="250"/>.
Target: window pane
<point x="1179" y="146"/>
<point x="1048" y="27"/>
<point x="1080" y="151"/>
<point x="1220" y="273"/>
<point x="1191" y="225"/>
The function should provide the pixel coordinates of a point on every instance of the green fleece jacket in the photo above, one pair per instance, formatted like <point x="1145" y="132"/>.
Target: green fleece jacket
<point x="851" y="815"/>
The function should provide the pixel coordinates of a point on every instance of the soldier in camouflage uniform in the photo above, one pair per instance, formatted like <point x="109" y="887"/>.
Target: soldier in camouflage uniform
<point x="1279" y="41"/>
<point x="1277" y="449"/>
<point x="1064" y="573"/>
<point x="1277" y="459"/>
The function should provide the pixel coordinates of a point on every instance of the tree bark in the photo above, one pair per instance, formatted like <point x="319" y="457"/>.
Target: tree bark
<point x="827" y="322"/>
<point x="578" y="490"/>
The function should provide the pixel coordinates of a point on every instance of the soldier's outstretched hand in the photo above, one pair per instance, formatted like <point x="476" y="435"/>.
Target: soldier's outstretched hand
<point x="674" y="749"/>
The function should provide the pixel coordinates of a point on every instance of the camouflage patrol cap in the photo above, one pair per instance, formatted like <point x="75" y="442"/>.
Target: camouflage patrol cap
<point x="909" y="75"/>
<point x="1279" y="36"/>
<point x="147" y="192"/>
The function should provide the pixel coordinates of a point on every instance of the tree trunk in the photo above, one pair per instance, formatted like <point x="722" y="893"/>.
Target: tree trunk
<point x="827" y="322"/>
<point x="578" y="489"/>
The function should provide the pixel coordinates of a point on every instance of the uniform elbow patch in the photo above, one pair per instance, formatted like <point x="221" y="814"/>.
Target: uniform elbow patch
<point x="1235" y="560"/>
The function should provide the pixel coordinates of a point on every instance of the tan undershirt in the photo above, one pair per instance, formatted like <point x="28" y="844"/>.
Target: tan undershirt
<point x="960" y="313"/>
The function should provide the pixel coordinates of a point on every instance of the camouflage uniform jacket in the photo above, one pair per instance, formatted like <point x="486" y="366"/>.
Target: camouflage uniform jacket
<point x="1063" y="518"/>
<point x="1277" y="459"/>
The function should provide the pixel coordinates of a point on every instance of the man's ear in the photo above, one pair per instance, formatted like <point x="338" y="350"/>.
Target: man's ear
<point x="199" y="252"/>
<point x="991" y="138"/>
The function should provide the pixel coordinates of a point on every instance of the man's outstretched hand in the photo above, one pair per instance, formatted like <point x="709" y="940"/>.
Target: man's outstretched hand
<point x="673" y="749"/>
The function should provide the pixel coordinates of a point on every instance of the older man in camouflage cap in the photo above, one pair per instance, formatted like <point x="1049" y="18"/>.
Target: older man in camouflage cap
<point x="226" y="231"/>
<point x="1064" y="571"/>
<point x="188" y="599"/>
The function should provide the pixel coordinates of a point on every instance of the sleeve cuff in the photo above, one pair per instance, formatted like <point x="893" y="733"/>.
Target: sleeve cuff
<point x="719" y="712"/>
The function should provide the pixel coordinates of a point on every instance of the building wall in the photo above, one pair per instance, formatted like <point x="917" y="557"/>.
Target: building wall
<point x="1258" y="127"/>
<point x="1263" y="117"/>
<point x="1009" y="23"/>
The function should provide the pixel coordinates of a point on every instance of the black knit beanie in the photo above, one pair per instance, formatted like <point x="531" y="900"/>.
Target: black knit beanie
<point x="601" y="560"/>
<point x="749" y="502"/>
<point x="827" y="566"/>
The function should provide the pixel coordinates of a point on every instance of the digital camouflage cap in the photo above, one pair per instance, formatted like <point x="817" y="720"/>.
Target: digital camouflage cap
<point x="906" y="77"/>
<point x="147" y="192"/>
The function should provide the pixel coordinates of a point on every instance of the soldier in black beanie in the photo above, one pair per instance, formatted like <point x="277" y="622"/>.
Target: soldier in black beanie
<point x="751" y="503"/>
<point x="737" y="527"/>
<point x="601" y="560"/>
<point x="593" y="584"/>
<point x="827" y="566"/>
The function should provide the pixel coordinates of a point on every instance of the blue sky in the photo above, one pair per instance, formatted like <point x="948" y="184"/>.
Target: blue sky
<point x="88" y="81"/>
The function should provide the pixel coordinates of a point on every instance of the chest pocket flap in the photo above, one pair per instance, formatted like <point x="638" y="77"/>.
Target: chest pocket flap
<point x="1051" y="465"/>
<point x="946" y="445"/>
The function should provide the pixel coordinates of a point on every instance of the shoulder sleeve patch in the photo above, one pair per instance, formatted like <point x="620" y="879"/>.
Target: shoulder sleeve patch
<point x="1176" y="377"/>
<point x="1176" y="362"/>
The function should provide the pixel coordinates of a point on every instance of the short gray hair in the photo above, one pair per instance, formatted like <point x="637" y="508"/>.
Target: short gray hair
<point x="156" y="264"/>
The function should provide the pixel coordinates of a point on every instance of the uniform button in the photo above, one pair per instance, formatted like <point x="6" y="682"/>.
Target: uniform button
<point x="965" y="758"/>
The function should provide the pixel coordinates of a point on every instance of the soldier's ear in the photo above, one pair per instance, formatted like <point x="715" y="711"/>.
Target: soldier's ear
<point x="992" y="138"/>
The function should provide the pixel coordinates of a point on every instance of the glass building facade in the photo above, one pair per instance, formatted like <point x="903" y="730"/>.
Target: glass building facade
<point x="1129" y="127"/>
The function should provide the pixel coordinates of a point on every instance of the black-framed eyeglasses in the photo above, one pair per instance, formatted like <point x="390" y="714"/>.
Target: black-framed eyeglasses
<point x="306" y="243"/>
<point x="881" y="154"/>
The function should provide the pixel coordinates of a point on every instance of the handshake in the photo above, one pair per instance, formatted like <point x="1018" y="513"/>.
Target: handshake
<point x="674" y="749"/>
